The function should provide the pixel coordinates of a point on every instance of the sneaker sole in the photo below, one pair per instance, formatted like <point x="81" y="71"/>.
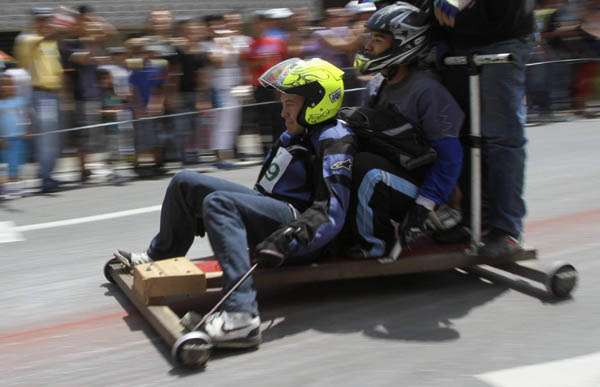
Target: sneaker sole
<point x="239" y="343"/>
<point x="246" y="342"/>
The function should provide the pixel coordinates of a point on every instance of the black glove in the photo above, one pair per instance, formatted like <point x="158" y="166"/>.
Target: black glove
<point x="413" y="224"/>
<point x="268" y="258"/>
<point x="272" y="251"/>
<point x="200" y="227"/>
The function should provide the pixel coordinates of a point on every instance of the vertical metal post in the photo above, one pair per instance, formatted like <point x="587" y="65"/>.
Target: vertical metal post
<point x="473" y="63"/>
<point x="475" y="160"/>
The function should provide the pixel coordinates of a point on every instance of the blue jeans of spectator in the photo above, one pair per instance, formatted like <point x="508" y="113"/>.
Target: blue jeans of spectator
<point x="13" y="153"/>
<point x="235" y="218"/>
<point x="188" y="128"/>
<point x="503" y="114"/>
<point x="47" y="145"/>
<point x="539" y="84"/>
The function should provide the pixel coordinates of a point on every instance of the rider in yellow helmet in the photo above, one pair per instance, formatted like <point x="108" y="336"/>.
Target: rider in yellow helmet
<point x="319" y="82"/>
<point x="297" y="206"/>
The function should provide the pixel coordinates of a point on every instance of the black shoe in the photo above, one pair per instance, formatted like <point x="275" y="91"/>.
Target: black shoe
<point x="85" y="175"/>
<point x="159" y="170"/>
<point x="358" y="253"/>
<point x="457" y="234"/>
<point x="49" y="186"/>
<point x="226" y="165"/>
<point x="49" y="190"/>
<point x="499" y="243"/>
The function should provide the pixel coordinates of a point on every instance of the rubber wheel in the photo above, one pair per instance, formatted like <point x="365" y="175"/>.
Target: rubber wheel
<point x="192" y="350"/>
<point x="562" y="279"/>
<point x="107" y="266"/>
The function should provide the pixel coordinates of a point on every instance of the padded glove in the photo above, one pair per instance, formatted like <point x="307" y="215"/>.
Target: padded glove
<point x="272" y="251"/>
<point x="268" y="258"/>
<point x="446" y="10"/>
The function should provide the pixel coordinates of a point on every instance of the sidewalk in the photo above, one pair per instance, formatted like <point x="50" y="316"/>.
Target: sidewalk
<point x="67" y="168"/>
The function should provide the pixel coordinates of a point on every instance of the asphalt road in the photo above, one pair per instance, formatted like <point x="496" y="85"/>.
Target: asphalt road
<point x="63" y="324"/>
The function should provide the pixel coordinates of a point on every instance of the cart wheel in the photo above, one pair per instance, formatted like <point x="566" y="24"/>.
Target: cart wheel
<point x="192" y="350"/>
<point x="107" y="266"/>
<point x="561" y="280"/>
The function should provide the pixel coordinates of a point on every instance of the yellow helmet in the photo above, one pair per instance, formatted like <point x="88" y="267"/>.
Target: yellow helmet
<point x="318" y="81"/>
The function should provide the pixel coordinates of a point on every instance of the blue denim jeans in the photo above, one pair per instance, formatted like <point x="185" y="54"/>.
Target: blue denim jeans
<point x="235" y="218"/>
<point x="47" y="146"/>
<point x="188" y="126"/>
<point x="503" y="114"/>
<point x="14" y="153"/>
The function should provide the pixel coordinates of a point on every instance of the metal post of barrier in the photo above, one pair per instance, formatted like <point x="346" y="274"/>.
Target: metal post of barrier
<point x="474" y="62"/>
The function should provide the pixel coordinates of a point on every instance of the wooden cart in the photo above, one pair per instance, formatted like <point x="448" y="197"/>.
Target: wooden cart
<point x="175" y="278"/>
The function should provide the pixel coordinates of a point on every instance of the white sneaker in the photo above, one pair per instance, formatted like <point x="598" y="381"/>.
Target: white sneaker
<point x="132" y="259"/>
<point x="234" y="329"/>
<point x="394" y="253"/>
<point x="12" y="192"/>
<point x="396" y="250"/>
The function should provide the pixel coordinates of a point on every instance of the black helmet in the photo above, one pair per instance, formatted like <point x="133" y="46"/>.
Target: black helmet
<point x="424" y="5"/>
<point x="378" y="3"/>
<point x="410" y="28"/>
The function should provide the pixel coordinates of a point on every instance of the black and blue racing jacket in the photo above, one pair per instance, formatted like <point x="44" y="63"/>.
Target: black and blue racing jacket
<point x="426" y="104"/>
<point x="315" y="178"/>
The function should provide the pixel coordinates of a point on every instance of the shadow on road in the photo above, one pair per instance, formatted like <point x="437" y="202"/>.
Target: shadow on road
<point x="417" y="307"/>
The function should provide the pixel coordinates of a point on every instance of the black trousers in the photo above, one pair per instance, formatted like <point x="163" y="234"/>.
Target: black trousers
<point x="382" y="191"/>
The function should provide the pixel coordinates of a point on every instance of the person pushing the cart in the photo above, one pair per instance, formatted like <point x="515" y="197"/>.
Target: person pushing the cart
<point x="297" y="206"/>
<point x="488" y="27"/>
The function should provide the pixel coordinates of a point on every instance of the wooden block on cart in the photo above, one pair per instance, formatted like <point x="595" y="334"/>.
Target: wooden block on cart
<point x="169" y="277"/>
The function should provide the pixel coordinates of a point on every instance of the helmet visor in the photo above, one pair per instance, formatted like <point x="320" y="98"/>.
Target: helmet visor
<point x="276" y="75"/>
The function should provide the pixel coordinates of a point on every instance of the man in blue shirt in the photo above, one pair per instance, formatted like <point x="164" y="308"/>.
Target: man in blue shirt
<point x="399" y="37"/>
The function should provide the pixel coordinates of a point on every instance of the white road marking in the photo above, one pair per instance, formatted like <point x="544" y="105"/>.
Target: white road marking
<point x="580" y="371"/>
<point x="87" y="219"/>
<point x="9" y="234"/>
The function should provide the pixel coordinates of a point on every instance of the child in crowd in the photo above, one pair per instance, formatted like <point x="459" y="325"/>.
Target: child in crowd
<point x="112" y="105"/>
<point x="119" y="80"/>
<point x="12" y="132"/>
<point x="147" y="79"/>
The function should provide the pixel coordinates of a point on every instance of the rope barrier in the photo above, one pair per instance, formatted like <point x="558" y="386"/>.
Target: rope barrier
<point x="174" y="115"/>
<point x="183" y="114"/>
<point x="581" y="60"/>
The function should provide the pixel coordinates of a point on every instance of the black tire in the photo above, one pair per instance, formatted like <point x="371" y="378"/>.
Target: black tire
<point x="192" y="350"/>
<point x="562" y="279"/>
<point x="107" y="269"/>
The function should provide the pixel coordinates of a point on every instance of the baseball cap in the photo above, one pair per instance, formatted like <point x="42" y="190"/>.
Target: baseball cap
<point x="41" y="12"/>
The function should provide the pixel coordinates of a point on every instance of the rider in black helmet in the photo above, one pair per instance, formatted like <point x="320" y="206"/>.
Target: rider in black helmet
<point x="409" y="28"/>
<point x="386" y="191"/>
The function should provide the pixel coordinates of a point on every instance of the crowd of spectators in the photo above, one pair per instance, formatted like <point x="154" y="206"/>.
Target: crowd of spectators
<point x="559" y="76"/>
<point x="175" y="91"/>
